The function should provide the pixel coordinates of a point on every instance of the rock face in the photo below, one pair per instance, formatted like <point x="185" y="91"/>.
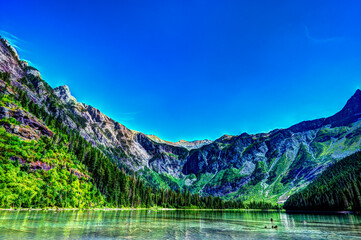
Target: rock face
<point x="4" y="112"/>
<point x="9" y="60"/>
<point x="182" y="143"/>
<point x="32" y="71"/>
<point x="64" y="95"/>
<point x="266" y="165"/>
<point x="193" y="144"/>
<point x="35" y="127"/>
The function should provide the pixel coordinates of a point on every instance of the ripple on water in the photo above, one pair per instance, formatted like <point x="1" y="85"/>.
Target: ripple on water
<point x="175" y="225"/>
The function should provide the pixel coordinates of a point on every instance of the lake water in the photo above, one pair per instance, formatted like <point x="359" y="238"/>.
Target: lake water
<point x="175" y="225"/>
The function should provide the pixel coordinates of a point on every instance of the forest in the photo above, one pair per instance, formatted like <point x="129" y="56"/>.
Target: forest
<point x="337" y="188"/>
<point x="64" y="170"/>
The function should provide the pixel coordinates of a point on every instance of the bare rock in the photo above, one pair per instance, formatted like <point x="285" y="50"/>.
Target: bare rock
<point x="33" y="72"/>
<point x="64" y="94"/>
<point x="4" y="112"/>
<point x="9" y="62"/>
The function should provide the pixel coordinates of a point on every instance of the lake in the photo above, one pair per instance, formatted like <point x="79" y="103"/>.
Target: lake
<point x="143" y="224"/>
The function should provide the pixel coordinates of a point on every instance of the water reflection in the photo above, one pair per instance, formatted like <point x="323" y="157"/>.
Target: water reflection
<point x="175" y="225"/>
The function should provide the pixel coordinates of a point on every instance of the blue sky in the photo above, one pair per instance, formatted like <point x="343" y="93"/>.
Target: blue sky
<point x="195" y="69"/>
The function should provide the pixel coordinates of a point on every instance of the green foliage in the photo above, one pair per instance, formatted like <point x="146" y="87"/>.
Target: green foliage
<point x="278" y="187"/>
<point x="76" y="173"/>
<point x="337" y="188"/>
<point x="228" y="176"/>
<point x="26" y="82"/>
<point x="25" y="186"/>
<point x="323" y="140"/>
<point x="79" y="120"/>
<point x="262" y="205"/>
<point x="278" y="168"/>
<point x="302" y="164"/>
<point x="200" y="180"/>
<point x="10" y="120"/>
<point x="259" y="173"/>
<point x="5" y="76"/>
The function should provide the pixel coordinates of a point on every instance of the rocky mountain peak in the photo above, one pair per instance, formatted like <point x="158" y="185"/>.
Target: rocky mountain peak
<point x="9" y="60"/>
<point x="353" y="105"/>
<point x="31" y="70"/>
<point x="64" y="94"/>
<point x="181" y="143"/>
<point x="12" y="49"/>
<point x="349" y="113"/>
<point x="193" y="144"/>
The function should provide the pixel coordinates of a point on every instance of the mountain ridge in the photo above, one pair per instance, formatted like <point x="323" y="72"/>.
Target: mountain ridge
<point x="269" y="166"/>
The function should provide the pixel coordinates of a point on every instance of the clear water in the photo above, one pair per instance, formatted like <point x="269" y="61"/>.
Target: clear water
<point x="175" y="225"/>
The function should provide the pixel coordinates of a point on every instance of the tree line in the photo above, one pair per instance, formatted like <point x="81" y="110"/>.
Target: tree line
<point x="118" y="188"/>
<point x="337" y="188"/>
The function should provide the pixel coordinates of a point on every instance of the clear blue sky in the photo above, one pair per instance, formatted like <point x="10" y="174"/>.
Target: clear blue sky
<point x="195" y="69"/>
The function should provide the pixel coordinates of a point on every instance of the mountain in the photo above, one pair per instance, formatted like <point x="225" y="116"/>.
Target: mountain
<point x="338" y="188"/>
<point x="276" y="164"/>
<point x="182" y="143"/>
<point x="269" y="166"/>
<point x="53" y="155"/>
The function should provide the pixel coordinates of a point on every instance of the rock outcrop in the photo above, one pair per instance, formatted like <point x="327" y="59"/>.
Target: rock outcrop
<point x="64" y="94"/>
<point x="9" y="60"/>
<point x="35" y="127"/>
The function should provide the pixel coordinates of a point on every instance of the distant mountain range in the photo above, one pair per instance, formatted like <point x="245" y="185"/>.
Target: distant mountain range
<point x="270" y="166"/>
<point x="182" y="143"/>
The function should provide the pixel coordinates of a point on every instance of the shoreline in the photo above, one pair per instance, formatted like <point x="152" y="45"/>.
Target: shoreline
<point x="331" y="212"/>
<point x="137" y="209"/>
<point x="83" y="209"/>
<point x="155" y="209"/>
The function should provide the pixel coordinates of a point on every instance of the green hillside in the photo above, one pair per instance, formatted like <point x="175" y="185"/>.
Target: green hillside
<point x="45" y="164"/>
<point x="337" y="188"/>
